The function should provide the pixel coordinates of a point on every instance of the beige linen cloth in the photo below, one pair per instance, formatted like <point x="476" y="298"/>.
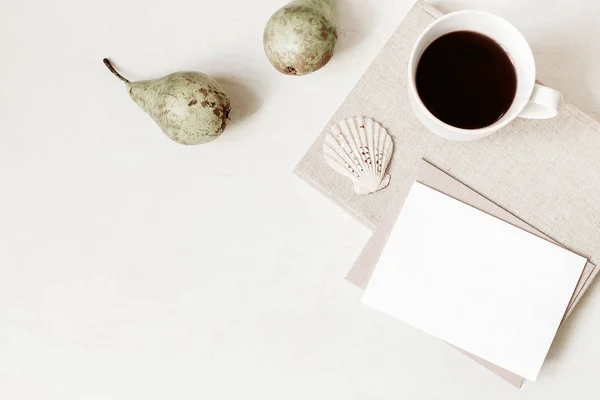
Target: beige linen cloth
<point x="546" y="172"/>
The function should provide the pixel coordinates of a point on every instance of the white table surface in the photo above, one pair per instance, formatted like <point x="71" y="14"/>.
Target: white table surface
<point x="135" y="268"/>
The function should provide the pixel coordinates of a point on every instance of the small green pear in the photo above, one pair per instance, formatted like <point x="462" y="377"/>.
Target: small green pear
<point x="300" y="37"/>
<point x="189" y="107"/>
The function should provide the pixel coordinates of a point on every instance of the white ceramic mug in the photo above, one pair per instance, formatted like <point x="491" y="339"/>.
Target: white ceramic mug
<point x="531" y="100"/>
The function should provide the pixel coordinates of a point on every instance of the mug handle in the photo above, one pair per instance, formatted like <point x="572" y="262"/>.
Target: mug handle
<point x="543" y="104"/>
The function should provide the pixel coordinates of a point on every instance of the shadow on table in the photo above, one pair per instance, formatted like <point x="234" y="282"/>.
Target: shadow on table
<point x="564" y="335"/>
<point x="351" y="30"/>
<point x="244" y="101"/>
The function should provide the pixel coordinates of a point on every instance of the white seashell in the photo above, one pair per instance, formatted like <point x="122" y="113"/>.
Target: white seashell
<point x="360" y="149"/>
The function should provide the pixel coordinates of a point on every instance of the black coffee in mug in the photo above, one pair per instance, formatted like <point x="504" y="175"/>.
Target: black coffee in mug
<point x="466" y="80"/>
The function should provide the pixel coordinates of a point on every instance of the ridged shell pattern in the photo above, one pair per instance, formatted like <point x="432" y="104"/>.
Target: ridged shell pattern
<point x="360" y="149"/>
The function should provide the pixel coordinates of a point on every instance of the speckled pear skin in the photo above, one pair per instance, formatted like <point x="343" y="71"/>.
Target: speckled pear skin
<point x="189" y="107"/>
<point x="300" y="37"/>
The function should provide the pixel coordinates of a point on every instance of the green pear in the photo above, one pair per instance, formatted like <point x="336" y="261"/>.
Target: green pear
<point x="189" y="107"/>
<point x="300" y="37"/>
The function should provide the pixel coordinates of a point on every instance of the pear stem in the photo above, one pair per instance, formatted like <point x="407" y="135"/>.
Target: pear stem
<point x="114" y="71"/>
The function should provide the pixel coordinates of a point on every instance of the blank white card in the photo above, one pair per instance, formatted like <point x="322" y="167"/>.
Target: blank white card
<point x="474" y="281"/>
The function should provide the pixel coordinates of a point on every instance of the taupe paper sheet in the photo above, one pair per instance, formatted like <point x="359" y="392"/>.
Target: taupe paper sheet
<point x="433" y="177"/>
